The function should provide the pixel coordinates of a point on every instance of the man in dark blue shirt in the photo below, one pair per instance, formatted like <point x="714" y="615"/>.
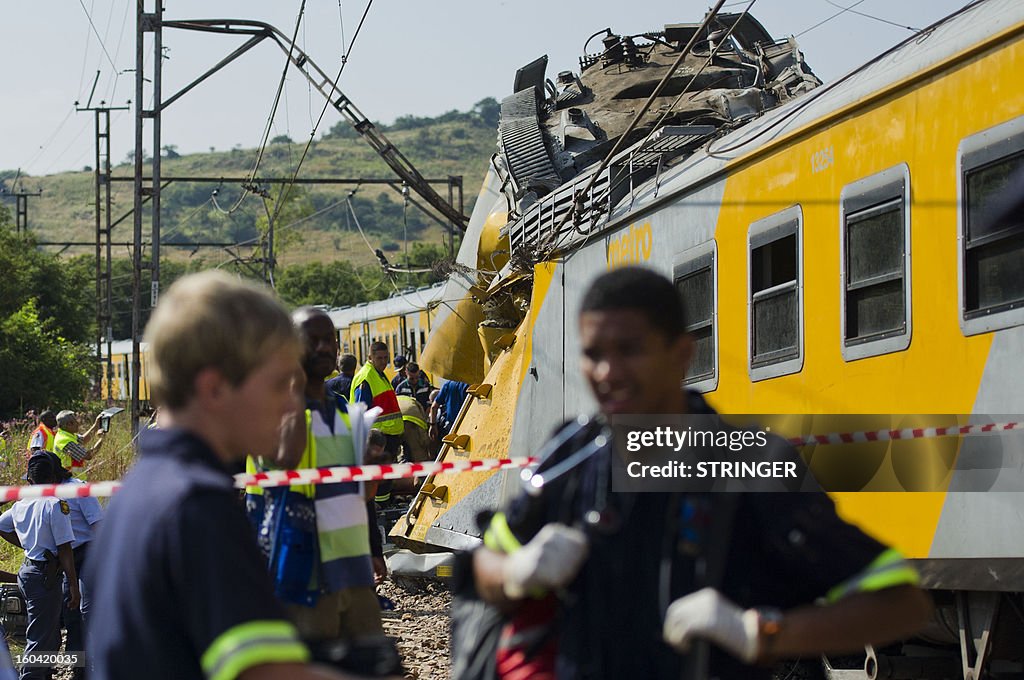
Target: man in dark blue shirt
<point x="181" y="588"/>
<point x="445" y="408"/>
<point x="415" y="385"/>
<point x="625" y="572"/>
<point x="341" y="384"/>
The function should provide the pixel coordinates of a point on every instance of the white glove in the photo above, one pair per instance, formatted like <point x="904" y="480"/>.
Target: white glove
<point x="709" y="615"/>
<point x="551" y="560"/>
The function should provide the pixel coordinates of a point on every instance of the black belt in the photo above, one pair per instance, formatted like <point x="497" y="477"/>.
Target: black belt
<point x="38" y="564"/>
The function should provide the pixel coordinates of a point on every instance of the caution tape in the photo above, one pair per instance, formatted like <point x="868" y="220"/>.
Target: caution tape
<point x="908" y="433"/>
<point x="331" y="475"/>
<point x="371" y="473"/>
<point x="73" y="490"/>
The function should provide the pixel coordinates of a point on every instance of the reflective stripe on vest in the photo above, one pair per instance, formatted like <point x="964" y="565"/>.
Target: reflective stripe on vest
<point x="390" y="419"/>
<point x="250" y="468"/>
<point x="415" y="420"/>
<point x="341" y="521"/>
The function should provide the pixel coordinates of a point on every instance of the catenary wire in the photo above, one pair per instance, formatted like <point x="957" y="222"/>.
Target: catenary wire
<point x="98" y="37"/>
<point x="871" y="16"/>
<point x="270" y="118"/>
<point x="286" y="189"/>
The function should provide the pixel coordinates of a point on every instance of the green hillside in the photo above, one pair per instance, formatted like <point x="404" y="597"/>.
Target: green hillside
<point x="456" y="143"/>
<point x="321" y="257"/>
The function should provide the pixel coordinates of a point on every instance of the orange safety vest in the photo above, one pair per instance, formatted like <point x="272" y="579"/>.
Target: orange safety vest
<point x="47" y="434"/>
<point x="390" y="419"/>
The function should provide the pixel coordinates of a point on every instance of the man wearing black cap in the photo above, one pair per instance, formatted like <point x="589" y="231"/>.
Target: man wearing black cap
<point x="399" y="363"/>
<point x="42" y="527"/>
<point x="85" y="516"/>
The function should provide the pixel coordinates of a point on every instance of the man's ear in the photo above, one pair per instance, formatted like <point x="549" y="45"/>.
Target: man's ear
<point x="210" y="387"/>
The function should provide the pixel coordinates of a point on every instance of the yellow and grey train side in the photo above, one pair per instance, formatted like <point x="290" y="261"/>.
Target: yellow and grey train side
<point x="836" y="261"/>
<point x="402" y="321"/>
<point x="116" y="381"/>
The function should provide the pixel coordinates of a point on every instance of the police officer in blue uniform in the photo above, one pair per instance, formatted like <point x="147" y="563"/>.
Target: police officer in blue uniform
<point x="42" y="527"/>
<point x="85" y="516"/>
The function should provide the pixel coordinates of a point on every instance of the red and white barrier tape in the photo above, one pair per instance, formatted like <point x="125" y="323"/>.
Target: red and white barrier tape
<point x="908" y="433"/>
<point x="369" y="473"/>
<point x="372" y="473"/>
<point x="73" y="490"/>
<point x="355" y="473"/>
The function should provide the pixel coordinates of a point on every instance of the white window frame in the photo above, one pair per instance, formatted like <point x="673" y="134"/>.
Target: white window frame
<point x="855" y="197"/>
<point x="688" y="262"/>
<point x="762" y="232"/>
<point x="996" y="143"/>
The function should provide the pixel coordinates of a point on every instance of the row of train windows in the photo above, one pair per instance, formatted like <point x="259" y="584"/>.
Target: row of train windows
<point x="875" y="265"/>
<point x="409" y="350"/>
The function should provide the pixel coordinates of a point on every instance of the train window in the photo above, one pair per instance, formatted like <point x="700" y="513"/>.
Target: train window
<point x="874" y="226"/>
<point x="775" y="273"/>
<point x="695" y="277"/>
<point x="991" y="237"/>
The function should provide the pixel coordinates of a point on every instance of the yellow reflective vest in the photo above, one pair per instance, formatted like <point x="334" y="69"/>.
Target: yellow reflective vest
<point x="390" y="419"/>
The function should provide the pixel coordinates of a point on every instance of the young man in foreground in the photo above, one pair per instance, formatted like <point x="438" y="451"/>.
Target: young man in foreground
<point x="626" y="573"/>
<point x="180" y="589"/>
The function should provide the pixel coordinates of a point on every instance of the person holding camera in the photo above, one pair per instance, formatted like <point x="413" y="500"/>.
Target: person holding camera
<point x="69" y="445"/>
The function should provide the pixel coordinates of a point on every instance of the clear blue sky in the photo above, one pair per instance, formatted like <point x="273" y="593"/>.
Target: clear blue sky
<point x="412" y="56"/>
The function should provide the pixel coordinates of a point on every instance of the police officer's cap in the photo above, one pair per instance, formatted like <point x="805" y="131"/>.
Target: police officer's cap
<point x="399" y="361"/>
<point x="45" y="466"/>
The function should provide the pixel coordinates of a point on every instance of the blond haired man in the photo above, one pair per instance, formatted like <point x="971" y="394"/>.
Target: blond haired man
<point x="183" y="590"/>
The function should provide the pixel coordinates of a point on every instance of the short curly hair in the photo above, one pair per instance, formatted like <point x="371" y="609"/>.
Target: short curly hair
<point x="643" y="290"/>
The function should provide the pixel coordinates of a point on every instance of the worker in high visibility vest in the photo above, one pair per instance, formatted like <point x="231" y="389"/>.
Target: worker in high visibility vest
<point x="69" y="445"/>
<point x="344" y="604"/>
<point x="372" y="387"/>
<point x="416" y="443"/>
<point x="42" y="436"/>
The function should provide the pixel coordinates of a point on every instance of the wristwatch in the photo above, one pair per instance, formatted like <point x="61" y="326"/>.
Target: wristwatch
<point x="769" y="624"/>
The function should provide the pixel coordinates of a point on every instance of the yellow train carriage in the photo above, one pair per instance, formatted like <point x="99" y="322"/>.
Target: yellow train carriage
<point x="402" y="322"/>
<point x="837" y="259"/>
<point x="116" y="382"/>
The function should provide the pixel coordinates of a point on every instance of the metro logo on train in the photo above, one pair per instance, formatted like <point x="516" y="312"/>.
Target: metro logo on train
<point x="633" y="246"/>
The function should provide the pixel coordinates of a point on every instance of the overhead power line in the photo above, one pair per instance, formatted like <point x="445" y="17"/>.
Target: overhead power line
<point x="270" y="118"/>
<point x="286" y="189"/>
<point x="842" y="11"/>
<point x="871" y="16"/>
<point x="98" y="37"/>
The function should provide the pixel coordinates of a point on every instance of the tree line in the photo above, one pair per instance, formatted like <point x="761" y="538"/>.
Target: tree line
<point x="48" y="309"/>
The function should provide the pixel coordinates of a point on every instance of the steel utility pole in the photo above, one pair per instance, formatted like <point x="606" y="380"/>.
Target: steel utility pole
<point x="21" y="210"/>
<point x="145" y="187"/>
<point x="148" y="188"/>
<point x="104" y="302"/>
